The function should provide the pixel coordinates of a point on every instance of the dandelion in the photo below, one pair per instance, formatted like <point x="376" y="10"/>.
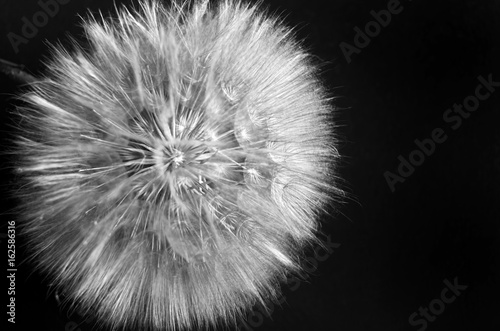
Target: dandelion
<point x="175" y="168"/>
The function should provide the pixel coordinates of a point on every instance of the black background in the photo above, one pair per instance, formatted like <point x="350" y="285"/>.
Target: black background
<point x="396" y="248"/>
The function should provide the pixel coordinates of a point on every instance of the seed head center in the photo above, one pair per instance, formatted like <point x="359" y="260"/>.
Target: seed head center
<point x="178" y="158"/>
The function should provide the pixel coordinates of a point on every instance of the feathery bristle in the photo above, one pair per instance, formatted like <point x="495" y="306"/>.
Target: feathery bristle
<point x="176" y="168"/>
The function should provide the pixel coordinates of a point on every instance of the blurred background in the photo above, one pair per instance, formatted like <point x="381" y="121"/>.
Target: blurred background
<point x="397" y="240"/>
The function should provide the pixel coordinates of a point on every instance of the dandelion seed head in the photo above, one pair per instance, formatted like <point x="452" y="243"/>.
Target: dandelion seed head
<point x="178" y="165"/>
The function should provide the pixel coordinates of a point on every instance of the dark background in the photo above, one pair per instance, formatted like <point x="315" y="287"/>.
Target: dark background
<point x="396" y="248"/>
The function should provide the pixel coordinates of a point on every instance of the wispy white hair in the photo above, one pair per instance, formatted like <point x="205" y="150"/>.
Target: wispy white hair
<point x="176" y="166"/>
